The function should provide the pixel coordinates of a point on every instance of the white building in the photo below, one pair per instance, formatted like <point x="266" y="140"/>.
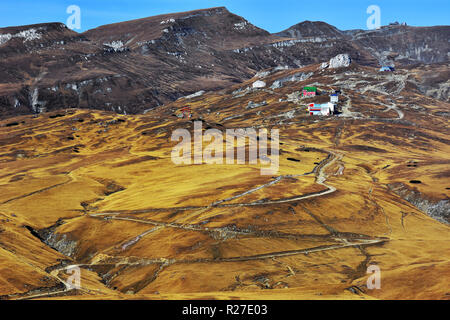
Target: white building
<point x="324" y="109"/>
<point x="334" y="98"/>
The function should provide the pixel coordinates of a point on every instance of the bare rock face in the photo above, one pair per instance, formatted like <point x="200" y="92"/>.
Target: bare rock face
<point x="340" y="61"/>
<point x="300" y="76"/>
<point x="405" y="45"/>
<point x="433" y="80"/>
<point x="437" y="209"/>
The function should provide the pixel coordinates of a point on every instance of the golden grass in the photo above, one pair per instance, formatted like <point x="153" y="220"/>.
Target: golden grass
<point x="145" y="228"/>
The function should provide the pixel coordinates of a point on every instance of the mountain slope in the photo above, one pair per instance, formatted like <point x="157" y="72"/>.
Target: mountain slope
<point x="367" y="186"/>
<point x="135" y="66"/>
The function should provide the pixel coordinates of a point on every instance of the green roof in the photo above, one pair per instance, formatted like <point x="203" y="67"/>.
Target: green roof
<point x="310" y="89"/>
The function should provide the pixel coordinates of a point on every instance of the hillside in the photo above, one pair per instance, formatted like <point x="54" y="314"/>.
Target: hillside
<point x="135" y="66"/>
<point x="366" y="186"/>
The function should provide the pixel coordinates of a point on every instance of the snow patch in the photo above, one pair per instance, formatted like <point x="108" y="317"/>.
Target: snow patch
<point x="116" y="46"/>
<point x="171" y="20"/>
<point x="324" y="65"/>
<point x="36" y="105"/>
<point x="5" y="38"/>
<point x="290" y="43"/>
<point x="27" y="35"/>
<point x="194" y="95"/>
<point x="258" y="84"/>
<point x="240" y="25"/>
<point x="280" y="68"/>
<point x="262" y="74"/>
<point x="242" y="50"/>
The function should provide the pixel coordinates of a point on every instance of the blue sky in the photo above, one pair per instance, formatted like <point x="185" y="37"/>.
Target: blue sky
<point x="272" y="15"/>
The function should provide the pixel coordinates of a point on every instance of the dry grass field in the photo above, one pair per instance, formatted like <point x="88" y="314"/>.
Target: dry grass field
<point x="99" y="190"/>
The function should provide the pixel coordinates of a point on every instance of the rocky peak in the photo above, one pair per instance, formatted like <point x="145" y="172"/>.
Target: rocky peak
<point x="309" y="29"/>
<point x="214" y="25"/>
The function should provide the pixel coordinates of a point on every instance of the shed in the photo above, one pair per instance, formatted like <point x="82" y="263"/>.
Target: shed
<point x="334" y="98"/>
<point x="309" y="91"/>
<point x="324" y="109"/>
<point x="387" y="68"/>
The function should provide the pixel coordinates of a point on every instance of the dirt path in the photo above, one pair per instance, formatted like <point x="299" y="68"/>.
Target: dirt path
<point x="218" y="230"/>
<point x="320" y="179"/>
<point x="346" y="113"/>
<point x="167" y="262"/>
<point x="224" y="233"/>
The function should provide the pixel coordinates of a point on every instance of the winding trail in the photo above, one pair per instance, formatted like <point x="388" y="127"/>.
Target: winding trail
<point x="320" y="179"/>
<point x="342" y="240"/>
<point x="346" y="113"/>
<point x="167" y="262"/>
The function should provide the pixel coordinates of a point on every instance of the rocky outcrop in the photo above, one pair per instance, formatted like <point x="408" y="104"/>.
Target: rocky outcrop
<point x="340" y="61"/>
<point x="253" y="105"/>
<point x="300" y="76"/>
<point x="437" y="209"/>
<point x="59" y="242"/>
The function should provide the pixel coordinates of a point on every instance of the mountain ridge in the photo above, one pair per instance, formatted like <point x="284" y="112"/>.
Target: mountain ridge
<point x="137" y="65"/>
